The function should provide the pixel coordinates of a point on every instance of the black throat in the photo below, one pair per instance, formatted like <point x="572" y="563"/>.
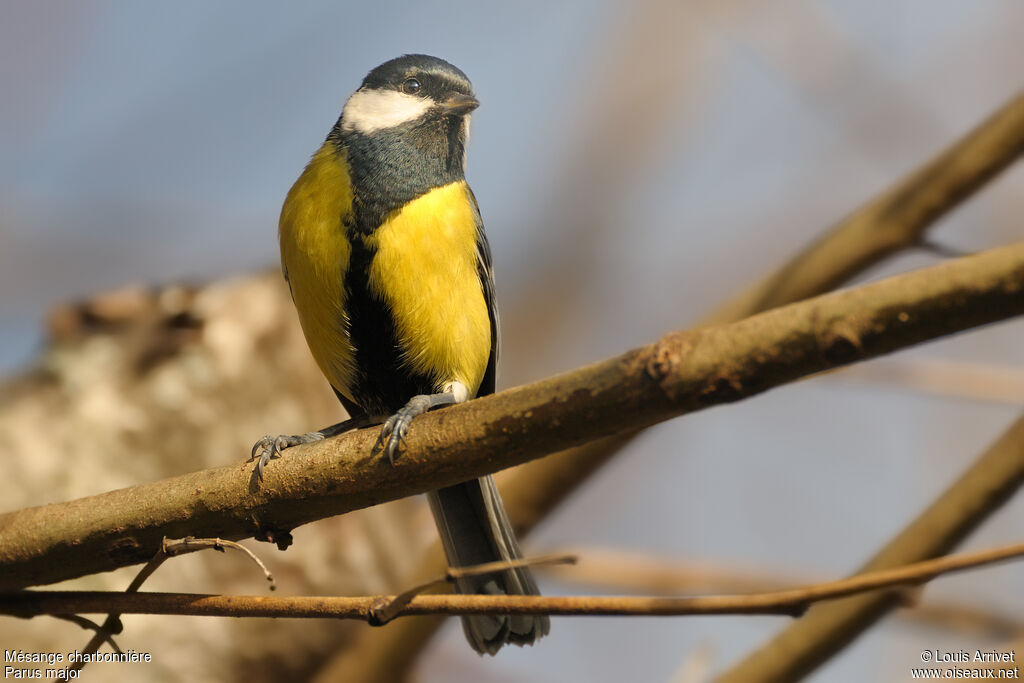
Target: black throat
<point x="393" y="166"/>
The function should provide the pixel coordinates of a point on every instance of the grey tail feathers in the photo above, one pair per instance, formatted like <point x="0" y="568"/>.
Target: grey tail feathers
<point x="474" y="529"/>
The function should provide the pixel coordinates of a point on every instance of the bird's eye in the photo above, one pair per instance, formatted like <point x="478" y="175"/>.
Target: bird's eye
<point x="410" y="86"/>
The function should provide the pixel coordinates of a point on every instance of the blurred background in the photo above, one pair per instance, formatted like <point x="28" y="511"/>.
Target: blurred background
<point x="636" y="165"/>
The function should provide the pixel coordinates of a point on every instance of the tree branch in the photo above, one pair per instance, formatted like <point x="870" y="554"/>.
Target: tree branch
<point x="786" y="602"/>
<point x="681" y="373"/>
<point x="894" y="220"/>
<point x="826" y="629"/>
<point x="613" y="570"/>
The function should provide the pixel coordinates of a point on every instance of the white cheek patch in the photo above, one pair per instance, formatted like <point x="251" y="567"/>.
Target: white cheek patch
<point x="370" y="110"/>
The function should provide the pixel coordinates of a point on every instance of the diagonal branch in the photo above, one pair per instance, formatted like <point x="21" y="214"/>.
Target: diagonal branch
<point x="893" y="221"/>
<point x="826" y="629"/>
<point x="681" y="373"/>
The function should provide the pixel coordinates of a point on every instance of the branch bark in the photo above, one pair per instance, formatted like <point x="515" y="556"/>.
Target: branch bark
<point x="681" y="373"/>
<point x="826" y="629"/>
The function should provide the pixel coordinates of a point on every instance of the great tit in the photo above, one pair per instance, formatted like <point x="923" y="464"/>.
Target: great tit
<point x="384" y="251"/>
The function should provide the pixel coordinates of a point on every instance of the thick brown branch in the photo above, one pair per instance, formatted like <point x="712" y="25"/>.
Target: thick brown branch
<point x="789" y="602"/>
<point x="682" y="373"/>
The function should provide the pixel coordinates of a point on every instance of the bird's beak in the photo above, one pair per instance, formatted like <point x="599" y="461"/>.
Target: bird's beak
<point x="460" y="104"/>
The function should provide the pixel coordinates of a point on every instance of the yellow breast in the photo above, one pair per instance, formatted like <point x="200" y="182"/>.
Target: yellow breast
<point x="315" y="255"/>
<point x="425" y="268"/>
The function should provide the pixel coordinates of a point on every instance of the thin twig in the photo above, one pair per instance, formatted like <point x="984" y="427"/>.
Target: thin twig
<point x="112" y="624"/>
<point x="385" y="609"/>
<point x="168" y="548"/>
<point x="941" y="250"/>
<point x="644" y="574"/>
<point x="190" y="544"/>
<point x="454" y="573"/>
<point x="786" y="602"/>
<point x="90" y="625"/>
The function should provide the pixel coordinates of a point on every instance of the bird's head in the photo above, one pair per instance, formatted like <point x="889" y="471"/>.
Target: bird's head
<point x="412" y="91"/>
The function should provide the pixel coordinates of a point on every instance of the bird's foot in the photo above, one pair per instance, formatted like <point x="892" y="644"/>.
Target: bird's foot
<point x="270" y="447"/>
<point x="393" y="432"/>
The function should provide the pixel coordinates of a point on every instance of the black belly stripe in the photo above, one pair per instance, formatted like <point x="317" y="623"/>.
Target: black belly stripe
<point x="383" y="383"/>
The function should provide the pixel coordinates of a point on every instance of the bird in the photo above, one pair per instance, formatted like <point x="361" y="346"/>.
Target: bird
<point x="385" y="255"/>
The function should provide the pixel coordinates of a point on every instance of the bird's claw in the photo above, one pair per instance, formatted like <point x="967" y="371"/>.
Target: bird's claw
<point x="270" y="447"/>
<point x="393" y="432"/>
<point x="262" y="445"/>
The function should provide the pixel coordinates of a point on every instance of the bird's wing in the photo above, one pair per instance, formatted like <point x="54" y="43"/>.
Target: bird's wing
<point x="485" y="271"/>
